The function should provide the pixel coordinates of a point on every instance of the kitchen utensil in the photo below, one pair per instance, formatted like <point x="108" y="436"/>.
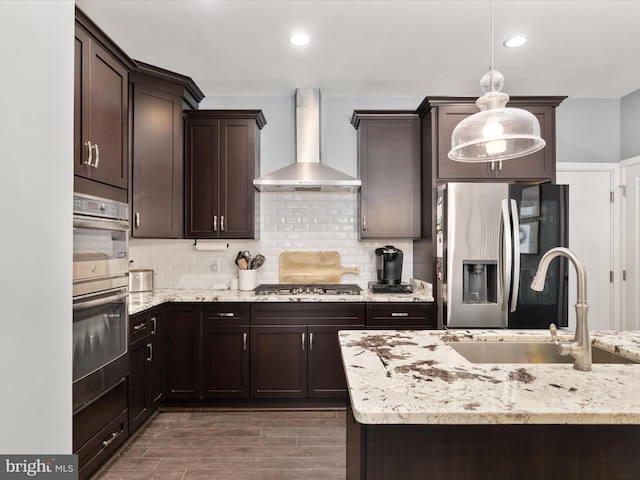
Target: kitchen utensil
<point x="312" y="267"/>
<point x="238" y="257"/>
<point x="242" y="263"/>
<point x="258" y="261"/>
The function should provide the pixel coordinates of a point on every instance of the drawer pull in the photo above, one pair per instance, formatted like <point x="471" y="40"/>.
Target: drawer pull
<point x="244" y="342"/>
<point x="399" y="314"/>
<point x="224" y="314"/>
<point x="109" y="441"/>
<point x="140" y="326"/>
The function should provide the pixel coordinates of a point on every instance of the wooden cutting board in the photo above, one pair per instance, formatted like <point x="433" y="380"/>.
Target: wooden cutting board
<point x="312" y="267"/>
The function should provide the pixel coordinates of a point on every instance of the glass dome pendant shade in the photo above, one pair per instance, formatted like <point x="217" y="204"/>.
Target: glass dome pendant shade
<point x="496" y="132"/>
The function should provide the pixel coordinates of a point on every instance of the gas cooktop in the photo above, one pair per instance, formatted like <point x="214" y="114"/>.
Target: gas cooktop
<point x="307" y="289"/>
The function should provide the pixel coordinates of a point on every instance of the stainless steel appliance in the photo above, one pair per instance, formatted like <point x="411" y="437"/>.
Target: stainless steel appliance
<point x="389" y="271"/>
<point x="310" y="289"/>
<point x="490" y="238"/>
<point x="100" y="296"/>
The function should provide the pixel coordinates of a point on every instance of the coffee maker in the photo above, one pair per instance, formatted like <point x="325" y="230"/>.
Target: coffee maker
<point x="389" y="271"/>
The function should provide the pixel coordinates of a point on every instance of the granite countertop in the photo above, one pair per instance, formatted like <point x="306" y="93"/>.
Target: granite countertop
<point x="414" y="377"/>
<point x="141" y="301"/>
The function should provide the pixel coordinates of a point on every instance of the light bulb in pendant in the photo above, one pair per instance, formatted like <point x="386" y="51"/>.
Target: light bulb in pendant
<point x="492" y="128"/>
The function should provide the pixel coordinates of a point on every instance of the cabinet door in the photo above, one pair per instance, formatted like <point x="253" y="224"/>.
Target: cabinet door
<point x="225" y="361"/>
<point x="538" y="165"/>
<point x="182" y="352"/>
<point x="100" y="151"/>
<point x="448" y="117"/>
<point x="156" y="361"/>
<point x="138" y="382"/>
<point x="389" y="164"/>
<point x="202" y="178"/>
<point x="326" y="371"/>
<point x="157" y="197"/>
<point x="279" y="362"/>
<point x="237" y="171"/>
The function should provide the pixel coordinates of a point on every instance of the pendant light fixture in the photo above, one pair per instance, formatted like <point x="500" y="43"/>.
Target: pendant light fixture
<point x="496" y="132"/>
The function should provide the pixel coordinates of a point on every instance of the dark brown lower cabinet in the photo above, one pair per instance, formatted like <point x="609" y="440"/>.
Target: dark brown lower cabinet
<point x="182" y="356"/>
<point x="146" y="373"/>
<point x="225" y="350"/>
<point x="295" y="351"/>
<point x="501" y="452"/>
<point x="100" y="428"/>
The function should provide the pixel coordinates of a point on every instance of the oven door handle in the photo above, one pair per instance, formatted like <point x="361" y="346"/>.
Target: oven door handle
<point x="99" y="302"/>
<point x="100" y="224"/>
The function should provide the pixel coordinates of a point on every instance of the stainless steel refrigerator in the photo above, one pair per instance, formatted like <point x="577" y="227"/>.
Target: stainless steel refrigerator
<point x="490" y="237"/>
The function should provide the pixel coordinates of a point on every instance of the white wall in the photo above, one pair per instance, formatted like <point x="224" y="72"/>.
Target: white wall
<point x="36" y="172"/>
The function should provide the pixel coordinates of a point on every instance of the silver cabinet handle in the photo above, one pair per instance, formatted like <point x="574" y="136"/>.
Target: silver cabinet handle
<point x="215" y="223"/>
<point x="399" y="314"/>
<point x="136" y="222"/>
<point x="222" y="223"/>
<point x="150" y="347"/>
<point x="155" y="325"/>
<point x="492" y="166"/>
<point x="303" y="342"/>
<point x="310" y="341"/>
<point x="140" y="326"/>
<point x="364" y="222"/>
<point x="97" y="155"/>
<point x="244" y="342"/>
<point x="114" y="435"/>
<point x="500" y="165"/>
<point x="224" y="314"/>
<point x="90" y="156"/>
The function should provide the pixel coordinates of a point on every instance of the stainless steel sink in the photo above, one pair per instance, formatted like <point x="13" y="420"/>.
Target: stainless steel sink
<point x="526" y="352"/>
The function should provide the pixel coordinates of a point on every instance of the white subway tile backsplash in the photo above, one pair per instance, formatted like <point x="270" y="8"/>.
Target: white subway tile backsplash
<point x="288" y="221"/>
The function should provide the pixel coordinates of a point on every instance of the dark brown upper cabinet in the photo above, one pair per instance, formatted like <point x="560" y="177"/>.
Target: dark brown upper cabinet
<point x="158" y="98"/>
<point x="447" y="112"/>
<point x="389" y="168"/>
<point x="222" y="155"/>
<point x="100" y="113"/>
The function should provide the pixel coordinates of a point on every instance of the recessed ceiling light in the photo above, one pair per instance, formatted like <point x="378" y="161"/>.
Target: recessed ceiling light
<point x="515" y="41"/>
<point x="299" y="40"/>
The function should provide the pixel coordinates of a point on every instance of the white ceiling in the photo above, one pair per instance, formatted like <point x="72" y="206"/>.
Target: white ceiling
<point x="391" y="48"/>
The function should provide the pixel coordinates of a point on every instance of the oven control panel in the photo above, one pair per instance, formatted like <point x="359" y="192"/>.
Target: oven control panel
<point x="99" y="207"/>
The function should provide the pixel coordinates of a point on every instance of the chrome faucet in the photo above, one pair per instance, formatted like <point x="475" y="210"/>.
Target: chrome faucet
<point x="580" y="349"/>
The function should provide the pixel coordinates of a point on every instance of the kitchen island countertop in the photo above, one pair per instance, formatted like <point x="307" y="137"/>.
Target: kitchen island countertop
<point x="414" y="377"/>
<point x="141" y="301"/>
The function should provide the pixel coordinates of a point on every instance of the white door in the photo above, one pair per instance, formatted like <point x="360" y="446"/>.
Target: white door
<point x="592" y="227"/>
<point x="631" y="243"/>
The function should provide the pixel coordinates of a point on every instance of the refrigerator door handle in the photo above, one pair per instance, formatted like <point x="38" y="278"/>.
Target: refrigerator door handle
<point x="516" y="255"/>
<point x="507" y="251"/>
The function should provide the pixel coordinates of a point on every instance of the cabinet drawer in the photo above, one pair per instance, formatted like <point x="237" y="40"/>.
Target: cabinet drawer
<point x="401" y="315"/>
<point x="288" y="313"/>
<point x="142" y="325"/>
<point x="102" y="446"/>
<point x="225" y="313"/>
<point x="95" y="416"/>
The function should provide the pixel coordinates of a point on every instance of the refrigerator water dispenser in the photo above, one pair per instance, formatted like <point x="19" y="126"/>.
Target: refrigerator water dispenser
<point x="479" y="281"/>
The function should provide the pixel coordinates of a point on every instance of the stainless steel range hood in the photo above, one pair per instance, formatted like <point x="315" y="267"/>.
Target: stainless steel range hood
<point x="307" y="174"/>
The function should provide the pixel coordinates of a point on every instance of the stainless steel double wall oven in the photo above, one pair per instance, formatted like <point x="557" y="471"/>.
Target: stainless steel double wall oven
<point x="100" y="296"/>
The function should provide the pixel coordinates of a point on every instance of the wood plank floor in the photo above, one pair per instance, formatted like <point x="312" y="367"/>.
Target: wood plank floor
<point x="229" y="445"/>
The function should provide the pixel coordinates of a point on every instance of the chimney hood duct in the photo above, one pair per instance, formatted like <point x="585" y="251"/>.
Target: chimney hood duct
<point x="307" y="174"/>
